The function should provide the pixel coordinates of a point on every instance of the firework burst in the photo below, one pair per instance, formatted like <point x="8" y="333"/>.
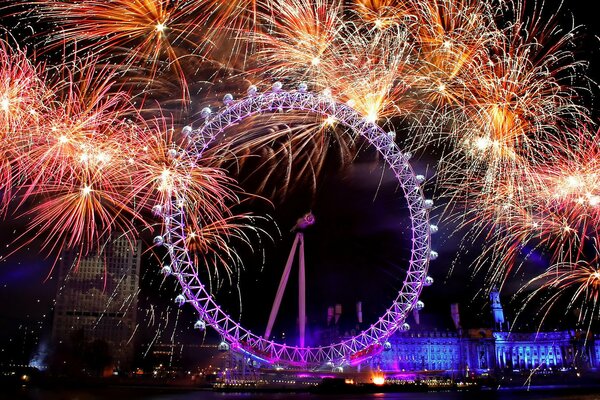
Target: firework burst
<point x="24" y="99"/>
<point x="577" y="284"/>
<point x="80" y="160"/>
<point x="508" y="129"/>
<point x="290" y="149"/>
<point x="161" y="170"/>
<point x="151" y="35"/>
<point x="382" y="14"/>
<point x="73" y="176"/>
<point x="299" y="38"/>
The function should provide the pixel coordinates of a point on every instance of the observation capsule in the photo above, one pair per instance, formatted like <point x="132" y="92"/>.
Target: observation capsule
<point x="172" y="153"/>
<point x="187" y="130"/>
<point x="205" y="113"/>
<point x="252" y="90"/>
<point x="180" y="300"/>
<point x="200" y="325"/>
<point x="157" y="209"/>
<point x="223" y="346"/>
<point x="228" y="99"/>
<point x="277" y="86"/>
<point x="166" y="270"/>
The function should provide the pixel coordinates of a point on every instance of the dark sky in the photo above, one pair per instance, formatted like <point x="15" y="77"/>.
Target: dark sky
<point x="355" y="236"/>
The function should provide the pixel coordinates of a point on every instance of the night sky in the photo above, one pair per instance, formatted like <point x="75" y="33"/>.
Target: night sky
<point x="355" y="252"/>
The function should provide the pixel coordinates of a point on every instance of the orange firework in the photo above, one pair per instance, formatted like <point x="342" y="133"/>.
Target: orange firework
<point x="299" y="39"/>
<point x="289" y="149"/>
<point x="573" y="286"/>
<point x="81" y="126"/>
<point x="519" y="99"/>
<point x="508" y="127"/>
<point x="382" y="14"/>
<point x="134" y="34"/>
<point x="552" y="205"/>
<point x="570" y="194"/>
<point x="229" y="26"/>
<point x="454" y="39"/>
<point x="83" y="164"/>
<point x="367" y="67"/>
<point x="372" y="72"/>
<point x="84" y="213"/>
<point x="214" y="243"/>
<point x="23" y="94"/>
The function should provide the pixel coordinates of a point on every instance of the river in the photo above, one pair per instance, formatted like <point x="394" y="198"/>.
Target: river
<point x="543" y="393"/>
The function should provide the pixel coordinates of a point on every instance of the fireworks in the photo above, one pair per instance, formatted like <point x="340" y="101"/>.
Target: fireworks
<point x="517" y="121"/>
<point x="68" y="164"/>
<point x="568" y="199"/>
<point x="86" y="165"/>
<point x="147" y="35"/>
<point x="300" y="38"/>
<point x="161" y="170"/>
<point x="575" y="286"/>
<point x="23" y="99"/>
<point x="382" y="14"/>
<point x="293" y="150"/>
<point x="83" y="157"/>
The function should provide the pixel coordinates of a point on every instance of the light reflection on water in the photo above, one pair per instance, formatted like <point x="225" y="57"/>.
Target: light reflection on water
<point x="170" y="394"/>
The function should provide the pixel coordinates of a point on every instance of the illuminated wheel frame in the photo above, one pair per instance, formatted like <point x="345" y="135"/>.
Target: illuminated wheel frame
<point x="347" y="352"/>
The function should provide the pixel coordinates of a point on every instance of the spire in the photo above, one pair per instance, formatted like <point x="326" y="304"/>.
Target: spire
<point x="497" y="311"/>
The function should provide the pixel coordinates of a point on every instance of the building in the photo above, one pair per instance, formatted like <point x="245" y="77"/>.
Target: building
<point x="525" y="351"/>
<point x="485" y="350"/>
<point x="97" y="300"/>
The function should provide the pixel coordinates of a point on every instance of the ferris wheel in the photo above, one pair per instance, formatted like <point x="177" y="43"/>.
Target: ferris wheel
<point x="350" y="351"/>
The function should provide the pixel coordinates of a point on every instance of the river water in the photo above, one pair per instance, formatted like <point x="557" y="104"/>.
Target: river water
<point x="546" y="393"/>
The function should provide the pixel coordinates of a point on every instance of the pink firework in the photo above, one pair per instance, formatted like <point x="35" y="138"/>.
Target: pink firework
<point x="162" y="172"/>
<point x="24" y="99"/>
<point x="75" y="177"/>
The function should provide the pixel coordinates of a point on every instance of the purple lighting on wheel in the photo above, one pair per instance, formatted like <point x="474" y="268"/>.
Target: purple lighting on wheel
<point x="304" y="222"/>
<point x="349" y="351"/>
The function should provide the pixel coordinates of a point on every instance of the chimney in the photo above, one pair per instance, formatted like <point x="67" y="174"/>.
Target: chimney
<point x="416" y="316"/>
<point x="338" y="312"/>
<point x="455" y="316"/>
<point x="359" y="312"/>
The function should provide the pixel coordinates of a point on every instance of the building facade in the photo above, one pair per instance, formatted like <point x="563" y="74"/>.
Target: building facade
<point x="480" y="351"/>
<point x="97" y="299"/>
<point x="435" y="351"/>
<point x="525" y="351"/>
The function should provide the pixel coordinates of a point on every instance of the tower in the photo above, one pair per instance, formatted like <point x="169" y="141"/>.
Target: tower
<point x="497" y="311"/>
<point x="97" y="299"/>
